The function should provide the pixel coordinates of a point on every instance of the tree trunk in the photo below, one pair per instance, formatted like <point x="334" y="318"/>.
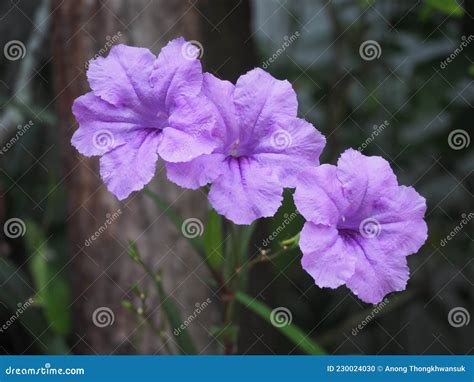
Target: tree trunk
<point x="102" y="272"/>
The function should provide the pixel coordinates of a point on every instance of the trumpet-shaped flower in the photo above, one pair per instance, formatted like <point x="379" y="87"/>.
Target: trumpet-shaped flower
<point x="261" y="147"/>
<point x="142" y="106"/>
<point x="361" y="225"/>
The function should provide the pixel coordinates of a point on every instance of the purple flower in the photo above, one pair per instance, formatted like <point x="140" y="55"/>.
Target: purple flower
<point x="360" y="226"/>
<point x="262" y="147"/>
<point x="140" y="107"/>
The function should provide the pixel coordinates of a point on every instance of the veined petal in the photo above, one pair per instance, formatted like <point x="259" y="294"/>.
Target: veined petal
<point x="291" y="149"/>
<point x="246" y="191"/>
<point x="326" y="257"/>
<point x="176" y="73"/>
<point x="129" y="167"/>
<point x="261" y="101"/>
<point x="197" y="172"/>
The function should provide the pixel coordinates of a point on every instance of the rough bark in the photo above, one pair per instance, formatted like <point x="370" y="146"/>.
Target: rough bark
<point x="102" y="272"/>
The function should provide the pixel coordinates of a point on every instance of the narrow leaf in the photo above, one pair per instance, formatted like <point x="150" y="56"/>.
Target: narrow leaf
<point x="172" y="214"/>
<point x="291" y="331"/>
<point x="213" y="242"/>
<point x="173" y="315"/>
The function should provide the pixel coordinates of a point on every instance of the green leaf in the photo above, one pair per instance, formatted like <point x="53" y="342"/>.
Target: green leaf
<point x="15" y="292"/>
<point x="172" y="214"/>
<point x="52" y="289"/>
<point x="448" y="7"/>
<point x="228" y="333"/>
<point x="291" y="331"/>
<point x="173" y="316"/>
<point x="213" y="243"/>
<point x="184" y="340"/>
<point x="471" y="70"/>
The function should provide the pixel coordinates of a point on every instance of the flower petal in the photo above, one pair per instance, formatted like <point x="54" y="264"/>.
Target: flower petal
<point x="326" y="256"/>
<point x="197" y="172"/>
<point x="190" y="131"/>
<point x="246" y="191"/>
<point x="364" y="180"/>
<point x="129" y="167"/>
<point x="377" y="273"/>
<point x="176" y="73"/>
<point x="221" y="94"/>
<point x="318" y="196"/>
<point x="262" y="101"/>
<point x="103" y="126"/>
<point x="291" y="149"/>
<point x="122" y="78"/>
<point x="402" y="228"/>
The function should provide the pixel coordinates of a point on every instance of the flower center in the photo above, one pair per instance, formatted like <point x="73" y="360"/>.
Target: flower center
<point x="234" y="152"/>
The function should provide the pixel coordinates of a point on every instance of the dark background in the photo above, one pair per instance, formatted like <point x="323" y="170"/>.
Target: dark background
<point x="60" y="199"/>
